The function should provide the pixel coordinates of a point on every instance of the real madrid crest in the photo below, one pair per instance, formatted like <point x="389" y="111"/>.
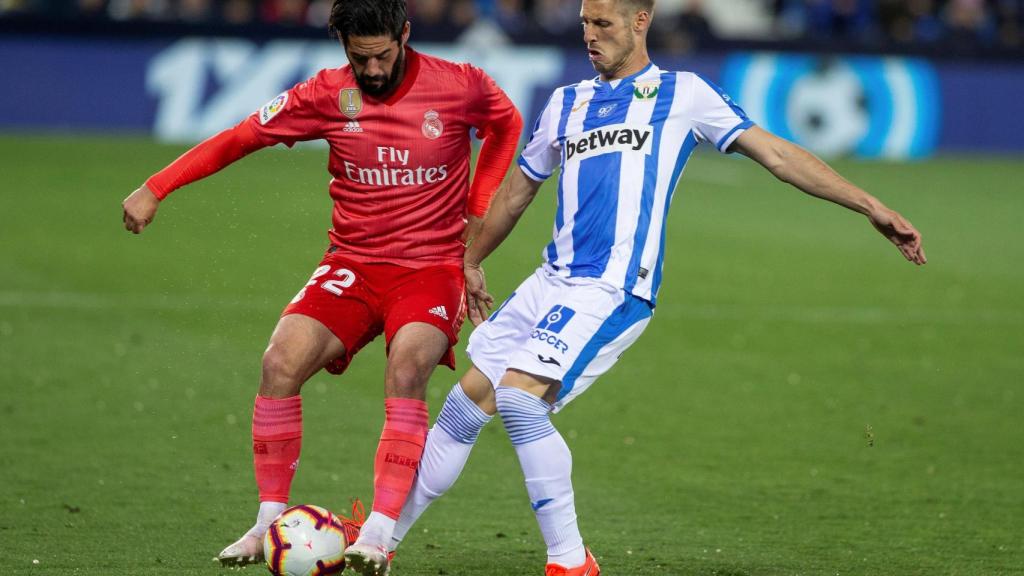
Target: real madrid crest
<point x="646" y="90"/>
<point x="432" y="125"/>
<point x="350" y="100"/>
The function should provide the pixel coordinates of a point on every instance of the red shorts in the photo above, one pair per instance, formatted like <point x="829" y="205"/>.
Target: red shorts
<point x="359" y="301"/>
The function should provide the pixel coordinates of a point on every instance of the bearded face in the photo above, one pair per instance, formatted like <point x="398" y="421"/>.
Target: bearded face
<point x="381" y="73"/>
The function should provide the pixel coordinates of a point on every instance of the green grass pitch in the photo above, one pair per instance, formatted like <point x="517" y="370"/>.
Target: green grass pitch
<point x="804" y="402"/>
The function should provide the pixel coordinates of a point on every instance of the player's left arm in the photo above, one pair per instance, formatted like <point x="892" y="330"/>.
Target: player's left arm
<point x="794" y="165"/>
<point x="499" y="125"/>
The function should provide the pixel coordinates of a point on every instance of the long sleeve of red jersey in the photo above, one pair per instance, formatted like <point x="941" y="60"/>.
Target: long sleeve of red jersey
<point x="500" y="126"/>
<point x="496" y="154"/>
<point x="206" y="158"/>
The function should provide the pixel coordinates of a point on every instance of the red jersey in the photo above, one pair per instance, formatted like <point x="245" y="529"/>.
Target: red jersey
<point x="400" y="166"/>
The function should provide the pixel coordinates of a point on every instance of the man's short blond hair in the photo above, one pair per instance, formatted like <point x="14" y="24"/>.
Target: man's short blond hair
<point x="639" y="5"/>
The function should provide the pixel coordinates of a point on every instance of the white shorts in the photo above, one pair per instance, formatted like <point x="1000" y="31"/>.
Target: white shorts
<point x="571" y="330"/>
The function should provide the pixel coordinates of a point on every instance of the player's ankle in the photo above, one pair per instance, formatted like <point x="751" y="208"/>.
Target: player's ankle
<point x="265" y="517"/>
<point x="571" y="559"/>
<point x="394" y="544"/>
<point x="377" y="530"/>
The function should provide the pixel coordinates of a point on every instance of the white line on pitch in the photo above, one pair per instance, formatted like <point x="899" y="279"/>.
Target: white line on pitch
<point x="92" y="301"/>
<point x="868" y="315"/>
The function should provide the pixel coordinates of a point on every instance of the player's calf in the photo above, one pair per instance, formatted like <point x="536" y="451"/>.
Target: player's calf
<point x="448" y="447"/>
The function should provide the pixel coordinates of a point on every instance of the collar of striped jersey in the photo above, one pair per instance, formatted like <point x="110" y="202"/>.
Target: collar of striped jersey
<point x="602" y="86"/>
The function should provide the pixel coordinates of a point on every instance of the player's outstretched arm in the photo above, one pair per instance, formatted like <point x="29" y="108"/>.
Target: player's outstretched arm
<point x="795" y="165"/>
<point x="204" y="159"/>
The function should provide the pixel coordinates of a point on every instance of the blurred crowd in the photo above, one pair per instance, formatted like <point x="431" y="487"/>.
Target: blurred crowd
<point x="950" y="23"/>
<point x="680" y="25"/>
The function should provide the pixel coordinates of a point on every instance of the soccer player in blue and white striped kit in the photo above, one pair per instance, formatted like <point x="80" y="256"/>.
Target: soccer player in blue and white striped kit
<point x="621" y="140"/>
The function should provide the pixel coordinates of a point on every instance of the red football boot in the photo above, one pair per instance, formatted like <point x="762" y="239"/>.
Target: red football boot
<point x="351" y="526"/>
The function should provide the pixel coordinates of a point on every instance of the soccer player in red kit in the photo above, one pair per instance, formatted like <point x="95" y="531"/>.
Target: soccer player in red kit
<point x="398" y="125"/>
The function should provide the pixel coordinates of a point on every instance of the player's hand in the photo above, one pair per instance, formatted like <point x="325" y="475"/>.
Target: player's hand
<point x="139" y="209"/>
<point x="900" y="232"/>
<point x="478" y="301"/>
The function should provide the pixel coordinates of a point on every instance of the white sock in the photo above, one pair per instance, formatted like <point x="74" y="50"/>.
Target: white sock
<point x="570" y="559"/>
<point x="265" y="517"/>
<point x="448" y="446"/>
<point x="547" y="467"/>
<point x="376" y="530"/>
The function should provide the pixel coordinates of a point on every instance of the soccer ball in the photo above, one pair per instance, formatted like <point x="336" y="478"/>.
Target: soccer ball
<point x="305" y="541"/>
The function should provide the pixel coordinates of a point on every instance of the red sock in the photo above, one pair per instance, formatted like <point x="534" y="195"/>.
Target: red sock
<point x="398" y="454"/>
<point x="276" y="442"/>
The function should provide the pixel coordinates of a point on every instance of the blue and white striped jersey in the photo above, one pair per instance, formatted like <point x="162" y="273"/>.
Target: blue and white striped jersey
<point x="622" y="147"/>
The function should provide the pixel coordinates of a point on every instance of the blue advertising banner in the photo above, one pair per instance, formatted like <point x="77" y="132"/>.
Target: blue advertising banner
<point x="837" y="106"/>
<point x="185" y="90"/>
<point x="75" y="84"/>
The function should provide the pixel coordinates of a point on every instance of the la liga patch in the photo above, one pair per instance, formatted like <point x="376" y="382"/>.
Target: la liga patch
<point x="270" y="109"/>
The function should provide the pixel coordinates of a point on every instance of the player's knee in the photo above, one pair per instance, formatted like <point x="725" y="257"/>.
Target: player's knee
<point x="516" y="401"/>
<point x="479" y="389"/>
<point x="282" y="374"/>
<point x="405" y="380"/>
<point x="487" y="403"/>
<point x="525" y="416"/>
<point x="534" y="384"/>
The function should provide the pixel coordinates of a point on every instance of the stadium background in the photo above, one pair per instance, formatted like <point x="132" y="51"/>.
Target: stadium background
<point x="804" y="403"/>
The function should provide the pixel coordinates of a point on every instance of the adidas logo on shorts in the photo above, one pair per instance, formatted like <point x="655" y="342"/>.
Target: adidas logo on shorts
<point x="439" y="311"/>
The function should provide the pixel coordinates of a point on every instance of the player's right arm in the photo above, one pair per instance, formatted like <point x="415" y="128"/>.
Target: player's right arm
<point x="202" y="160"/>
<point x="292" y="116"/>
<point x="507" y="206"/>
<point x="539" y="159"/>
<point x="139" y="209"/>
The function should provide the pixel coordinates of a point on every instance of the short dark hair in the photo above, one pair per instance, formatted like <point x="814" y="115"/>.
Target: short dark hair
<point x="367" y="18"/>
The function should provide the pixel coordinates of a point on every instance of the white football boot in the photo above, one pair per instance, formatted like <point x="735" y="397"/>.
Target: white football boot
<point x="368" y="559"/>
<point x="248" y="550"/>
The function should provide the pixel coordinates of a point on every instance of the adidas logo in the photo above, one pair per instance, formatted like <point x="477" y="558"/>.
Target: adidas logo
<point x="439" y="311"/>
<point x="352" y="126"/>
